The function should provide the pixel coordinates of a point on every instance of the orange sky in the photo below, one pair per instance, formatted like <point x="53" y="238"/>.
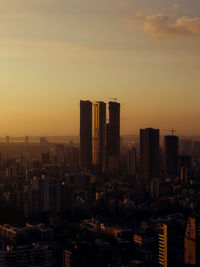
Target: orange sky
<point x="54" y="53"/>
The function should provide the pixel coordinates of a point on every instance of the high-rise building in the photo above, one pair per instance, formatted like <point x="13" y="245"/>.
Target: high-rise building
<point x="149" y="154"/>
<point x="185" y="162"/>
<point x="112" y="139"/>
<point x="185" y="147"/>
<point x="168" y="245"/>
<point x="196" y="149"/>
<point x="98" y="126"/>
<point x="171" y="155"/>
<point x="85" y="134"/>
<point x="114" y="122"/>
<point x="154" y="188"/>
<point x="192" y="242"/>
<point x="131" y="164"/>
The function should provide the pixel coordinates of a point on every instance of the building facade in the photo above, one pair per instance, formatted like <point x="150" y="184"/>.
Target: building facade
<point x="98" y="126"/>
<point x="149" y="154"/>
<point x="85" y="134"/>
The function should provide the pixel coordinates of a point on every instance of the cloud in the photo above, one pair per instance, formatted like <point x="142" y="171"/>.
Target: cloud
<point x="167" y="25"/>
<point x="123" y="4"/>
<point x="175" y="6"/>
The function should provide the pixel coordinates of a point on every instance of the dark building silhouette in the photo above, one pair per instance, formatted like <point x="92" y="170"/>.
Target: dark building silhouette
<point x="185" y="164"/>
<point x="185" y="161"/>
<point x="149" y="154"/>
<point x="171" y="155"/>
<point x="98" y="140"/>
<point x="45" y="158"/>
<point x="192" y="242"/>
<point x="112" y="139"/>
<point x="131" y="160"/>
<point x="85" y="134"/>
<point x="114" y="122"/>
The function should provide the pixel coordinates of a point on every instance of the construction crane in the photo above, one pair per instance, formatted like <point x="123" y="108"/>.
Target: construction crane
<point x="172" y="131"/>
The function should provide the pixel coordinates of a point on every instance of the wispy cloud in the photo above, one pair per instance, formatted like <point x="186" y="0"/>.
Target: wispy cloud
<point x="123" y="4"/>
<point x="166" y="25"/>
<point x="175" y="6"/>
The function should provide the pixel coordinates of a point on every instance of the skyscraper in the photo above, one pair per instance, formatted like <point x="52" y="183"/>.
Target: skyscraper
<point x="112" y="139"/>
<point x="171" y="155"/>
<point x="167" y="247"/>
<point x="131" y="164"/>
<point x="85" y="134"/>
<point x="114" y="122"/>
<point x="98" y="126"/>
<point x="192" y="242"/>
<point x="149" y="154"/>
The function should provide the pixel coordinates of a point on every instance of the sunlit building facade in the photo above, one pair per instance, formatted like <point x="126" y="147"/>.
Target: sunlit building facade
<point x="192" y="242"/>
<point x="98" y="125"/>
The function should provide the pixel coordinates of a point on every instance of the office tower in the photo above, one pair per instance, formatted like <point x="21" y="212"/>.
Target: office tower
<point x="98" y="140"/>
<point x="85" y="134"/>
<point x="131" y="164"/>
<point x="168" y="240"/>
<point x="192" y="242"/>
<point x="155" y="188"/>
<point x="196" y="149"/>
<point x="149" y="154"/>
<point x="112" y="139"/>
<point x="58" y="152"/>
<point x="114" y="122"/>
<point x="171" y="155"/>
<point x="185" y="161"/>
<point x="185" y="147"/>
<point x="184" y="175"/>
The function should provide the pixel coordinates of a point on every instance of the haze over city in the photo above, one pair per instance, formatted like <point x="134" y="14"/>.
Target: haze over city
<point x="54" y="53"/>
<point x="100" y="133"/>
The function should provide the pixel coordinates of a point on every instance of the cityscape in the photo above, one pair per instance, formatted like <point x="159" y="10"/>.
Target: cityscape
<point x="99" y="133"/>
<point x="103" y="201"/>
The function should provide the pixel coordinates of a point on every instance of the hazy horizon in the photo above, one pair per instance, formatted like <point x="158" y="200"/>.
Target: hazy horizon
<point x="55" y="52"/>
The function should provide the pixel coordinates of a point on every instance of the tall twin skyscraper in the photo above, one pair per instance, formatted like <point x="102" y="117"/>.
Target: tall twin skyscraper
<point x="99" y="141"/>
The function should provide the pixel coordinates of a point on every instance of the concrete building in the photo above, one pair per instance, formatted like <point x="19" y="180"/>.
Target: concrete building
<point x="192" y="242"/>
<point x="171" y="155"/>
<point x="98" y="140"/>
<point x="149" y="154"/>
<point x="85" y="134"/>
<point x="131" y="160"/>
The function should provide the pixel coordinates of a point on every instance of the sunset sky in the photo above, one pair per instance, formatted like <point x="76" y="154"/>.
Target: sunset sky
<point x="53" y="53"/>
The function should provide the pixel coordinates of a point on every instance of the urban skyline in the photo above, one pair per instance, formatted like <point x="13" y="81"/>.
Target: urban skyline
<point x="100" y="133"/>
<point x="99" y="50"/>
